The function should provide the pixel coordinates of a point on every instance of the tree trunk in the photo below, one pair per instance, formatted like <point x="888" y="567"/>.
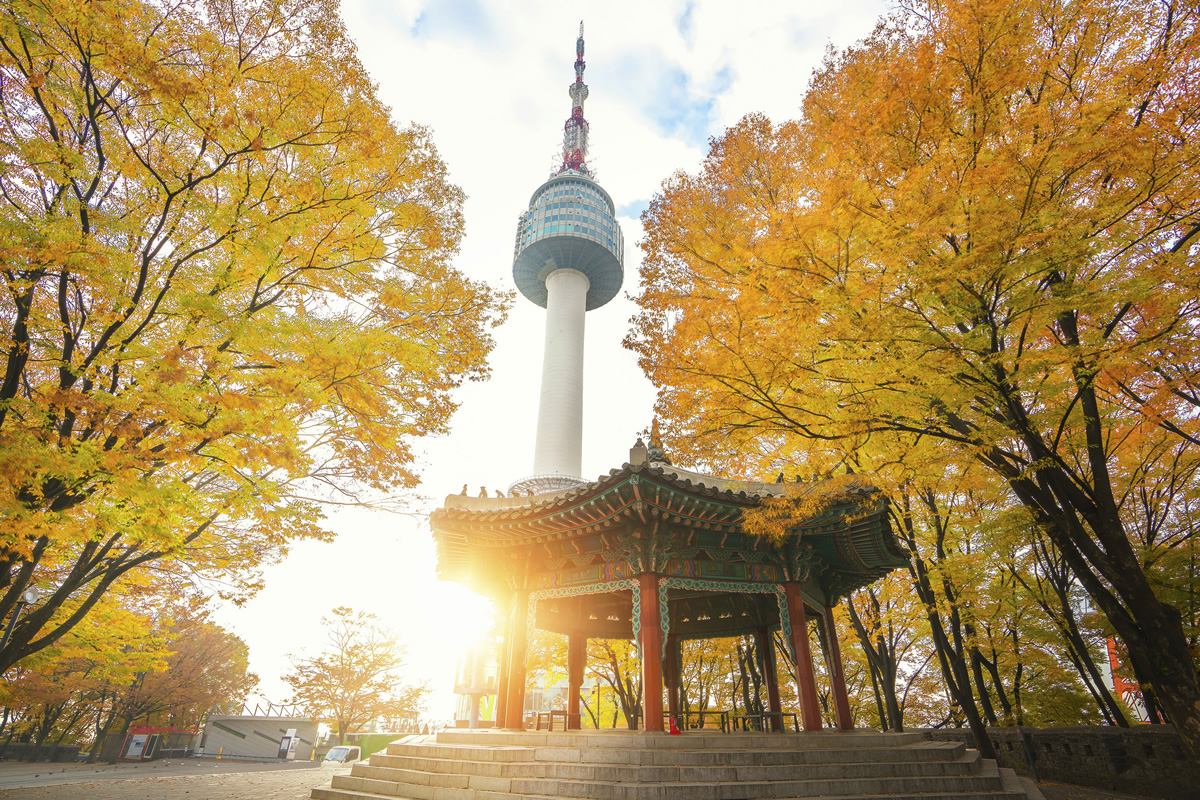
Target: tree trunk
<point x="891" y="699"/>
<point x="1089" y="673"/>
<point x="985" y="700"/>
<point x="881" y="661"/>
<point x="1057" y="574"/>
<point x="101" y="735"/>
<point x="43" y="729"/>
<point x="950" y="657"/>
<point x="884" y="723"/>
<point x="594" y="715"/>
<point x="1151" y="630"/>
<point x="756" y="675"/>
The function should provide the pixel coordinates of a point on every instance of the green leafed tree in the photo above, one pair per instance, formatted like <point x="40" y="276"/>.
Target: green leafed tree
<point x="227" y="293"/>
<point x="204" y="665"/>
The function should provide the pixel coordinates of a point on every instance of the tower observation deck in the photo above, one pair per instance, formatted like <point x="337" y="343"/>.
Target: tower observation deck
<point x="568" y="258"/>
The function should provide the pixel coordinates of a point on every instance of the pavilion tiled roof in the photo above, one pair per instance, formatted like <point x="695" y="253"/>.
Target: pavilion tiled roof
<point x="851" y="534"/>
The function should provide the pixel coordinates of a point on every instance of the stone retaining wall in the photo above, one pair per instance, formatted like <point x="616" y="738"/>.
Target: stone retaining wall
<point x="17" y="751"/>
<point x="1145" y="760"/>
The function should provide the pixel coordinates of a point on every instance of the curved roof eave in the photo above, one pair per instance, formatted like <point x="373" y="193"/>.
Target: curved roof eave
<point x="867" y="547"/>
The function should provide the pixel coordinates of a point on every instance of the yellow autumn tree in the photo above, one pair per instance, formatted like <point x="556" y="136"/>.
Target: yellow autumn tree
<point x="227" y="296"/>
<point x="66" y="691"/>
<point x="979" y="239"/>
<point x="358" y="677"/>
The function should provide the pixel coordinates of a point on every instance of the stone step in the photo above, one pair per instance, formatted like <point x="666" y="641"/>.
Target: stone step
<point x="351" y="794"/>
<point x="921" y="751"/>
<point x="692" y="740"/>
<point x="416" y="770"/>
<point x="468" y="787"/>
<point x="541" y="766"/>
<point x="744" y="790"/>
<point x="468" y="752"/>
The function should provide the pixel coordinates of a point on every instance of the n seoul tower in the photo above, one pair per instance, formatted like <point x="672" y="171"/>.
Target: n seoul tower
<point x="568" y="259"/>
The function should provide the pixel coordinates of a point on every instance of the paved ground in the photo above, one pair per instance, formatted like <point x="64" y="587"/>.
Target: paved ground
<point x="194" y="779"/>
<point x="205" y="779"/>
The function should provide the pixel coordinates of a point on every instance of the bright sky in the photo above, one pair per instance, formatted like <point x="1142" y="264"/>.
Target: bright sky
<point x="490" y="79"/>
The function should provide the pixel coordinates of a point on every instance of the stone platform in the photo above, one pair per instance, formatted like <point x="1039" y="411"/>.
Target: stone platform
<point x="621" y="765"/>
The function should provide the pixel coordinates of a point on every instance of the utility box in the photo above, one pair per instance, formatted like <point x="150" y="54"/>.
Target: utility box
<point x="287" y="745"/>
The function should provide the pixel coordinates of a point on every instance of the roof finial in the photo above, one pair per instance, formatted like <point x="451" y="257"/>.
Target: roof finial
<point x="575" y="131"/>
<point x="656" y="453"/>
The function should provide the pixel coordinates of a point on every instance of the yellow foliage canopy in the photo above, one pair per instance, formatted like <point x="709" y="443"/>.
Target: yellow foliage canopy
<point x="227" y="288"/>
<point x="977" y="244"/>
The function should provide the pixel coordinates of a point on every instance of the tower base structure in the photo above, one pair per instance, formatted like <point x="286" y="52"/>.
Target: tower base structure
<point x="532" y="485"/>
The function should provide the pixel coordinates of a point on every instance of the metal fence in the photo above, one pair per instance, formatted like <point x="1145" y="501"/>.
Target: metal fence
<point x="263" y="709"/>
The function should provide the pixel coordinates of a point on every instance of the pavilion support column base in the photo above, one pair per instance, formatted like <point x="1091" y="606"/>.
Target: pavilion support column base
<point x="810" y="708"/>
<point x="498" y="716"/>
<point x="576" y="660"/>
<point x="837" y="676"/>
<point x="651" y="640"/>
<point x="514" y="707"/>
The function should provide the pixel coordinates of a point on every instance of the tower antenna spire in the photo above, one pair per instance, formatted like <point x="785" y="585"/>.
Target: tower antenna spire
<point x="575" y="131"/>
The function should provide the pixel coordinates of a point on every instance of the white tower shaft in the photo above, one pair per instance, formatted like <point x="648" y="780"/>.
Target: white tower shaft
<point x="559" y="446"/>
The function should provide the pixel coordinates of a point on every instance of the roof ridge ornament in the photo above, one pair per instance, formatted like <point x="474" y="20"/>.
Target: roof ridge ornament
<point x="655" y="453"/>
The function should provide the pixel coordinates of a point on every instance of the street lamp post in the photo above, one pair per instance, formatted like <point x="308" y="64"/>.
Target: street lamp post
<point x="27" y="599"/>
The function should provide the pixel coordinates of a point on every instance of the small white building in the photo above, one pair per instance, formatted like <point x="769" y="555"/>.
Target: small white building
<point x="284" y="738"/>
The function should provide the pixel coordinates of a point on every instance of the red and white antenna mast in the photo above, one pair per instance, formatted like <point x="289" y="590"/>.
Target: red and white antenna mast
<point x="575" y="132"/>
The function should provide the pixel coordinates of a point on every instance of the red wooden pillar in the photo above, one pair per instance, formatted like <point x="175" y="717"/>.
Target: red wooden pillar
<point x="671" y="674"/>
<point x="766" y="646"/>
<point x="651" y="635"/>
<point x="810" y="709"/>
<point x="514" y="708"/>
<point x="502" y="678"/>
<point x="576" y="656"/>
<point x="837" y="677"/>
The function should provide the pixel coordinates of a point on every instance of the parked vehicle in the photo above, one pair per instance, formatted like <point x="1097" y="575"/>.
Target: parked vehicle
<point x="343" y="754"/>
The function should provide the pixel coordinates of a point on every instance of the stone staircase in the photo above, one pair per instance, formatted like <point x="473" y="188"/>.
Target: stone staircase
<point x="620" y="765"/>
